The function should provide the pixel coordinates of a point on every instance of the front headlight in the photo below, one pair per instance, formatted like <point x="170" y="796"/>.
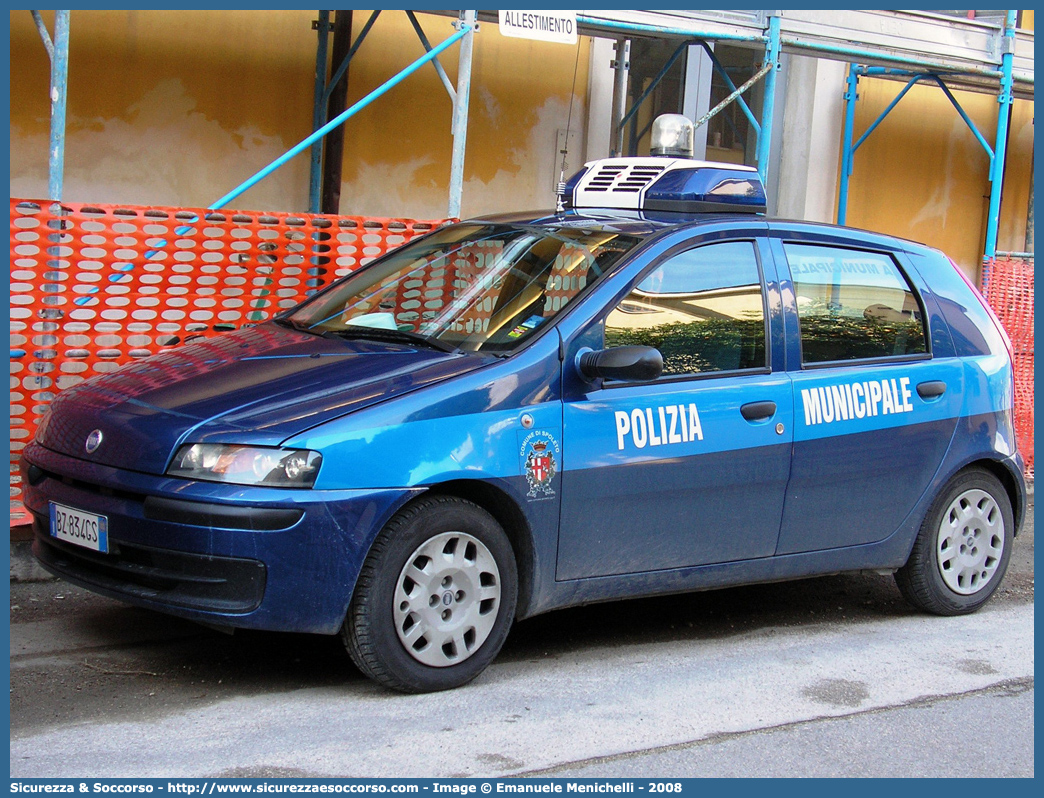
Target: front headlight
<point x="246" y="465"/>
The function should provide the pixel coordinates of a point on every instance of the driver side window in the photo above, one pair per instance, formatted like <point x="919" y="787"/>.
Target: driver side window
<point x="703" y="309"/>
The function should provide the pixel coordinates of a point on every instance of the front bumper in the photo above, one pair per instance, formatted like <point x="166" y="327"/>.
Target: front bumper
<point x="232" y="555"/>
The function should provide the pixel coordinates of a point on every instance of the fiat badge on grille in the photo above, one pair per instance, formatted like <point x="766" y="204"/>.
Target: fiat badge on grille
<point x="94" y="440"/>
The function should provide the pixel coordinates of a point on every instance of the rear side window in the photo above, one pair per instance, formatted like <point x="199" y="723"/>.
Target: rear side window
<point x="853" y="305"/>
<point x="703" y="309"/>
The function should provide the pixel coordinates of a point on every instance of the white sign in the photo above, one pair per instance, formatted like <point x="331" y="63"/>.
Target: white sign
<point x="544" y="26"/>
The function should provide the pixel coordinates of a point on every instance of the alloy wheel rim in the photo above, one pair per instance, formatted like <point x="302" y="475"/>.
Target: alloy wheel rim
<point x="970" y="542"/>
<point x="446" y="599"/>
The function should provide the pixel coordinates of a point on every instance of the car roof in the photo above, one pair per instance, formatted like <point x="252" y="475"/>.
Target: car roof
<point x="647" y="223"/>
<point x="630" y="222"/>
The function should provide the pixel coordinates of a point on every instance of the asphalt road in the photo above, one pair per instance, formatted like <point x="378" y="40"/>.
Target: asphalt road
<point x="827" y="676"/>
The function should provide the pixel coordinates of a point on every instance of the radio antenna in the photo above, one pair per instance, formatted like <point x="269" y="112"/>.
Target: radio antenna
<point x="569" y="122"/>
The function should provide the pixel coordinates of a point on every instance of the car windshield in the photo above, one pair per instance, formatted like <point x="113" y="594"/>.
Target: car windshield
<point x="469" y="287"/>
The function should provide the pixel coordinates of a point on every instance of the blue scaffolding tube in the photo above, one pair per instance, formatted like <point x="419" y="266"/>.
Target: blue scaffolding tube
<point x="336" y="77"/>
<point x="664" y="30"/>
<point x="770" y="66"/>
<point x="58" y="52"/>
<point x="630" y="116"/>
<point x="427" y="47"/>
<point x="1001" y="142"/>
<point x="768" y="107"/>
<point x="996" y="154"/>
<point x="720" y="69"/>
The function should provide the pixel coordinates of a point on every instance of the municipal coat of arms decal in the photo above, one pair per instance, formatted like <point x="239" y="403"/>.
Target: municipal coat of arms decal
<point x="539" y="450"/>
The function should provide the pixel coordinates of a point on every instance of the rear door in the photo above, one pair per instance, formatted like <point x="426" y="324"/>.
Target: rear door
<point x="691" y="468"/>
<point x="875" y="407"/>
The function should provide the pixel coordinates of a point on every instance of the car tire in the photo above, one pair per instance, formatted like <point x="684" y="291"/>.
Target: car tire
<point x="435" y="598"/>
<point x="962" y="550"/>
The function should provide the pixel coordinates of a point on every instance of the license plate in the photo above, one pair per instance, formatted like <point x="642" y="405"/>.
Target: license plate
<point x="82" y="529"/>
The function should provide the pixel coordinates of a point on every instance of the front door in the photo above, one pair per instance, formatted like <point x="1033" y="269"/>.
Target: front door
<point x="691" y="468"/>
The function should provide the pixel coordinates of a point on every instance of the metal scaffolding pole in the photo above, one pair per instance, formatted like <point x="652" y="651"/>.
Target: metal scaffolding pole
<point x="769" y="105"/>
<point x="324" y="182"/>
<point x="621" y="67"/>
<point x="720" y="69"/>
<point x="996" y="153"/>
<point x="632" y="114"/>
<point x="438" y="67"/>
<point x="855" y="71"/>
<point x="735" y="97"/>
<point x="315" y="175"/>
<point x="59" y="95"/>
<point x="1000" y="144"/>
<point x="58" y="52"/>
<point x="846" y="142"/>
<point x="694" y="31"/>
<point x="1029" y="214"/>
<point x="460" y="115"/>
<point x="336" y="96"/>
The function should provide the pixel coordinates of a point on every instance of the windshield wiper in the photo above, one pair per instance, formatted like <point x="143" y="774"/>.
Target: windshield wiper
<point x="286" y="321"/>
<point x="394" y="336"/>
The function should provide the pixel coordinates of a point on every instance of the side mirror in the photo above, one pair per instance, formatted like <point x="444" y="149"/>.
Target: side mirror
<point x="632" y="363"/>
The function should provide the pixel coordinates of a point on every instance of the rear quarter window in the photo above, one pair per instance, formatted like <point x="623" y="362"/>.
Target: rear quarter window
<point x="970" y="326"/>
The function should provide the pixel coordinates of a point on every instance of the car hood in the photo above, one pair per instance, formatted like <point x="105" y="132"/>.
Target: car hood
<point x="260" y="385"/>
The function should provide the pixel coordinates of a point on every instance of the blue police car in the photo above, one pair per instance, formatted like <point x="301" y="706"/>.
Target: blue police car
<point x="654" y="389"/>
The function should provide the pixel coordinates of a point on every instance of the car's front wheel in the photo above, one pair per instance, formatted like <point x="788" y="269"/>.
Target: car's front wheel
<point x="962" y="551"/>
<point x="435" y="598"/>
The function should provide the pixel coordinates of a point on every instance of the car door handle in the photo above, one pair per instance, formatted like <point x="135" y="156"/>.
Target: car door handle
<point x="932" y="389"/>
<point x="758" y="411"/>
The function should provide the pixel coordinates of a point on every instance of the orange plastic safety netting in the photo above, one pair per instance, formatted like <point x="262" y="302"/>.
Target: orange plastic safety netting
<point x="97" y="286"/>
<point x="1009" y="290"/>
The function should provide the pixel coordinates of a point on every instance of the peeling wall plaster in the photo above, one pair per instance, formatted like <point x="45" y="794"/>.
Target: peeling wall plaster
<point x="524" y="181"/>
<point x="163" y="152"/>
<point x="944" y="190"/>
<point x="166" y="152"/>
<point x="179" y="107"/>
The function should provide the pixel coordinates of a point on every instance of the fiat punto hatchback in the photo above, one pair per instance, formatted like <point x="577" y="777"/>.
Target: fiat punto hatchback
<point x="654" y="389"/>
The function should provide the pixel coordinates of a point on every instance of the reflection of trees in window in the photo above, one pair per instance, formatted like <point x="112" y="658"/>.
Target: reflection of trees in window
<point x="826" y="338"/>
<point x="714" y="344"/>
<point x="853" y="305"/>
<point x="703" y="309"/>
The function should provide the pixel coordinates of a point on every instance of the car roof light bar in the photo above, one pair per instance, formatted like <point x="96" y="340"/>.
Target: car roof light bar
<point x="666" y="184"/>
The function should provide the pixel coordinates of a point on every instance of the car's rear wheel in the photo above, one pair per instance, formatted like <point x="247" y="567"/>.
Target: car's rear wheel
<point x="962" y="551"/>
<point x="435" y="598"/>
